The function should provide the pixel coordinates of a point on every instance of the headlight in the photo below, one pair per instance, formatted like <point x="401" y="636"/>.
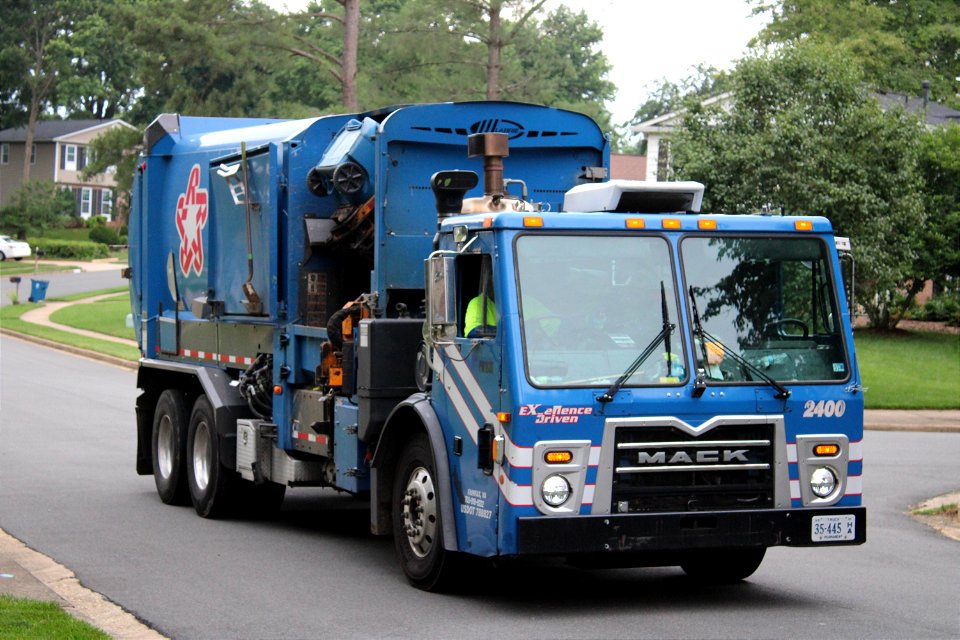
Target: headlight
<point x="555" y="490"/>
<point x="823" y="482"/>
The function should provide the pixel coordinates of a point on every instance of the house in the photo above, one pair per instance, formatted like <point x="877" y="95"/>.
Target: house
<point x="60" y="151"/>
<point x="657" y="131"/>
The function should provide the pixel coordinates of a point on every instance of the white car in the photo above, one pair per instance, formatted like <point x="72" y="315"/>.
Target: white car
<point x="10" y="248"/>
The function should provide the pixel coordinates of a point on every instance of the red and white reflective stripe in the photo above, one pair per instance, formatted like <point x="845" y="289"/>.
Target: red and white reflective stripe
<point x="309" y="437"/>
<point x="216" y="357"/>
<point x="201" y="355"/>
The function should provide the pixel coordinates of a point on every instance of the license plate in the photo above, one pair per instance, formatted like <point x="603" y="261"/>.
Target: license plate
<point x="833" y="528"/>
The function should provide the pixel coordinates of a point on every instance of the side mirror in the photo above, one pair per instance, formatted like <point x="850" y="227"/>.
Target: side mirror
<point x="441" y="298"/>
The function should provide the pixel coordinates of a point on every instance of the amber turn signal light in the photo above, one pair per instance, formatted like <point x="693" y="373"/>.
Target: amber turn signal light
<point x="826" y="450"/>
<point x="558" y="457"/>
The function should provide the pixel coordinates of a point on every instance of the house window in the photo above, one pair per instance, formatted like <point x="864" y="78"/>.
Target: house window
<point x="70" y="157"/>
<point x="33" y="154"/>
<point x="5" y="153"/>
<point x="106" y="202"/>
<point x="86" y="202"/>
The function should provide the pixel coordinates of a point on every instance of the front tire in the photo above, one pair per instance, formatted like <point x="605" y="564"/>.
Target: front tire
<point x="169" y="447"/>
<point x="212" y="486"/>
<point x="722" y="566"/>
<point x="417" y="523"/>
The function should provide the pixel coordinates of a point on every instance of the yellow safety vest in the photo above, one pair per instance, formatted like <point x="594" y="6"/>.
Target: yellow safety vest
<point x="474" y="316"/>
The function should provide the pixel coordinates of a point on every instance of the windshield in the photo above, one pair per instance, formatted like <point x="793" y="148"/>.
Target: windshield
<point x="589" y="305"/>
<point x="771" y="299"/>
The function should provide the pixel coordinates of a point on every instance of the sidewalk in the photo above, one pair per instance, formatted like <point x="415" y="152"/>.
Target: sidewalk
<point x="911" y="420"/>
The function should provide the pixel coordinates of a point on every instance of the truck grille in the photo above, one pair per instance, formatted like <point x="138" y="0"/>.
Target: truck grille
<point x="664" y="469"/>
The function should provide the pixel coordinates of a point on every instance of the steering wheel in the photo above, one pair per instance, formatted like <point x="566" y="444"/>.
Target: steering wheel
<point x="780" y="324"/>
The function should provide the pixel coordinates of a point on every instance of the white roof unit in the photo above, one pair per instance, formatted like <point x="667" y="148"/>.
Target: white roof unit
<point x="635" y="196"/>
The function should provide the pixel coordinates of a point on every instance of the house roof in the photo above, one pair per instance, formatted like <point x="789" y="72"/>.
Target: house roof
<point x="50" y="130"/>
<point x="936" y="114"/>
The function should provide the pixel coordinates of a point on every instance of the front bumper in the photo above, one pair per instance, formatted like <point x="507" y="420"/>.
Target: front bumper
<point x="632" y="533"/>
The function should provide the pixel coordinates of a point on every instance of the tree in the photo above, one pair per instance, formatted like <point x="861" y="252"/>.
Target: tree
<point x="938" y="255"/>
<point x="803" y="136"/>
<point x="562" y="65"/>
<point x="38" y="44"/>
<point x="898" y="44"/>
<point x="198" y="58"/>
<point x="36" y="206"/>
<point x="116" y="151"/>
<point x="103" y="79"/>
<point x="666" y="96"/>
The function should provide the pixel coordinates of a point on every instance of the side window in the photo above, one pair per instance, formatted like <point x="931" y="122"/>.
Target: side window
<point x="478" y="310"/>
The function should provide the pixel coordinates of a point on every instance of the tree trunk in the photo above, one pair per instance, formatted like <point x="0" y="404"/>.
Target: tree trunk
<point x="31" y="131"/>
<point x="351" y="37"/>
<point x="493" y="52"/>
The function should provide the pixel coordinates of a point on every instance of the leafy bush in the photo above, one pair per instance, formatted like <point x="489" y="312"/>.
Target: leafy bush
<point x="104" y="235"/>
<point x="70" y="249"/>
<point x="96" y="221"/>
<point x="942" y="307"/>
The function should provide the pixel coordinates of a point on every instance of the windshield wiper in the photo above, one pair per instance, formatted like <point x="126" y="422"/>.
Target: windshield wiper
<point x="664" y="335"/>
<point x="699" y="332"/>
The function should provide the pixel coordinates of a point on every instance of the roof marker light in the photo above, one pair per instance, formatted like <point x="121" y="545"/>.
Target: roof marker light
<point x="707" y="223"/>
<point x="671" y="223"/>
<point x="487" y="222"/>
<point x="636" y="223"/>
<point x="532" y="221"/>
<point x="803" y="225"/>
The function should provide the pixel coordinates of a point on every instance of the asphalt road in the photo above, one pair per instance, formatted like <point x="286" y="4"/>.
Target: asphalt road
<point x="63" y="283"/>
<point x="68" y="488"/>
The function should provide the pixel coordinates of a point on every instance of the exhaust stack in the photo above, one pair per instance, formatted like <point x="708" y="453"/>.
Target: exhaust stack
<point x="494" y="148"/>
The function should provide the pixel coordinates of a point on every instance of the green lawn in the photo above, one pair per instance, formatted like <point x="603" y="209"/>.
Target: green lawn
<point x="906" y="370"/>
<point x="10" y="319"/>
<point x="90" y="294"/>
<point x="20" y="618"/>
<point x="25" y="268"/>
<point x="104" y="316"/>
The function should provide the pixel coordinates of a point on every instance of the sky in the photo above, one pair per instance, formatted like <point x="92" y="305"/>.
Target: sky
<point x="646" y="40"/>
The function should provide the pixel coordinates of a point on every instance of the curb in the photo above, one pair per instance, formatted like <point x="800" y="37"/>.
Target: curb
<point x="77" y="351"/>
<point x="41" y="575"/>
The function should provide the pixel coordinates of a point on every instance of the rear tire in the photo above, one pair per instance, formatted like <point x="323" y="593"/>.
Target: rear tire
<point x="212" y="486"/>
<point x="169" y="447"/>
<point x="417" y="523"/>
<point x="722" y="566"/>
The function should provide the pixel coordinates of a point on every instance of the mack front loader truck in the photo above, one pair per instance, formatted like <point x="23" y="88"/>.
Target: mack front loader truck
<point x="451" y="311"/>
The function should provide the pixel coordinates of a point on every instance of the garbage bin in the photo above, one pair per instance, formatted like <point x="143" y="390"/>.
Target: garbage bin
<point x="38" y="290"/>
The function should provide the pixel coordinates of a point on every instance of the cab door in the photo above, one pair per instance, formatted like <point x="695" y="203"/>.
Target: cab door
<point x="468" y="368"/>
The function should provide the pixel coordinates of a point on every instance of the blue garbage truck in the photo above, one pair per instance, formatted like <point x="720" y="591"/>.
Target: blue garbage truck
<point x="452" y="311"/>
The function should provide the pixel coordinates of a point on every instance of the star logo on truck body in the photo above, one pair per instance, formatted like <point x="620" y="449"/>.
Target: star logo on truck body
<point x="191" y="219"/>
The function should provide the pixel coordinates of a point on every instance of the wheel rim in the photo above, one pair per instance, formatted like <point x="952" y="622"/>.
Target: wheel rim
<point x="165" y="446"/>
<point x="202" y="448"/>
<point x="419" y="511"/>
